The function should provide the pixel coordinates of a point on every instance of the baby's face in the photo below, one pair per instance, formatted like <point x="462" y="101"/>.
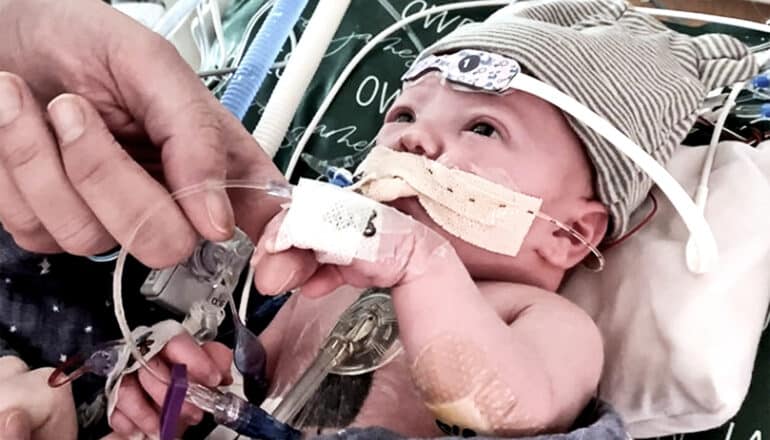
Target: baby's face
<point x="516" y="140"/>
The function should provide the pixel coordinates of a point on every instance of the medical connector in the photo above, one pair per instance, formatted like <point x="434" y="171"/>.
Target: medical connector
<point x="339" y="176"/>
<point x="203" y="320"/>
<point x="227" y="408"/>
<point x="761" y="82"/>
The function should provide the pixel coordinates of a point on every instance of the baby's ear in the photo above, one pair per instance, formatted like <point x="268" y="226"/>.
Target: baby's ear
<point x="565" y="251"/>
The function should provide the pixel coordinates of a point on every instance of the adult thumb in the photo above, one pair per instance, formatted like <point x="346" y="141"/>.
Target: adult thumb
<point x="15" y="425"/>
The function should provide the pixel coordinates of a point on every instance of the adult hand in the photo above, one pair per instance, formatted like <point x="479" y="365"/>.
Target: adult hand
<point x="141" y="395"/>
<point x="100" y="119"/>
<point x="29" y="408"/>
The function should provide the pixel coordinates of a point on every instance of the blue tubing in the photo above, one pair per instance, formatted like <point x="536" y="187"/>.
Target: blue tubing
<point x="261" y="54"/>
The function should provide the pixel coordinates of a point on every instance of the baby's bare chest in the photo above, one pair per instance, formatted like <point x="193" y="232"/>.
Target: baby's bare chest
<point x="385" y="397"/>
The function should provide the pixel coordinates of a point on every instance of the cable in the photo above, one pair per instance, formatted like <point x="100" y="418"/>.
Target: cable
<point x="704" y="254"/>
<point x="396" y="16"/>
<point x="272" y="188"/>
<point x="701" y="193"/>
<point x="702" y="190"/>
<point x="309" y="130"/>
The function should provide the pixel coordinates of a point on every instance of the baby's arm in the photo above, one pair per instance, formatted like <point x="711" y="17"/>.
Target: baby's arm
<point x="530" y="370"/>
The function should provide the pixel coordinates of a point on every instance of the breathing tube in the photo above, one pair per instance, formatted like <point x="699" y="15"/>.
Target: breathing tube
<point x="260" y="55"/>
<point x="304" y="62"/>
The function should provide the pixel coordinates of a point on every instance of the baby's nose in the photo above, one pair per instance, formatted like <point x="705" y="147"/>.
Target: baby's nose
<point x="421" y="141"/>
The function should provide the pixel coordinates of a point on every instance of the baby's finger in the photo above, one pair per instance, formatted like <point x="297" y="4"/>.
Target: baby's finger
<point x="324" y="281"/>
<point x="279" y="270"/>
<point x="182" y="349"/>
<point x="122" y="424"/>
<point x="275" y="274"/>
<point x="157" y="391"/>
<point x="222" y="356"/>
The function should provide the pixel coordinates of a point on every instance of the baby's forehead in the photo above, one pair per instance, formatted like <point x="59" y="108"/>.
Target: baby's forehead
<point x="514" y="101"/>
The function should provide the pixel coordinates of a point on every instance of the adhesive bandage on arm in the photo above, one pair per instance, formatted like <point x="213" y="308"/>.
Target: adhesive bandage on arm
<point x="461" y="387"/>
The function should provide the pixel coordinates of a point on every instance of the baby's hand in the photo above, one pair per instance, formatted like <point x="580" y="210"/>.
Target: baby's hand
<point x="141" y="395"/>
<point x="391" y="250"/>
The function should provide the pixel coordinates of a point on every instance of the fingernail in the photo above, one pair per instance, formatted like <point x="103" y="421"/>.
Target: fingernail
<point x="220" y="214"/>
<point x="67" y="117"/>
<point x="289" y="279"/>
<point x="15" y="428"/>
<point x="259" y="253"/>
<point x="136" y="436"/>
<point x="195" y="418"/>
<point x="10" y="99"/>
<point x="214" y="378"/>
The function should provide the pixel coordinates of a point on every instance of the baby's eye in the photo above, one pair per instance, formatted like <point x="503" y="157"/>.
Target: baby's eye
<point x="403" y="117"/>
<point x="483" y="129"/>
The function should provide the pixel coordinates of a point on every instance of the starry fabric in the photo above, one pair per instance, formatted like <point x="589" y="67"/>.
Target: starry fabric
<point x="53" y="307"/>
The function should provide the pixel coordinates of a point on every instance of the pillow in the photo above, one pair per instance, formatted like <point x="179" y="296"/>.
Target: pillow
<point x="680" y="347"/>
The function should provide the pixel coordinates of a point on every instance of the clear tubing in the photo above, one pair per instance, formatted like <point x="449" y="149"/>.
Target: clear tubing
<point x="273" y="188"/>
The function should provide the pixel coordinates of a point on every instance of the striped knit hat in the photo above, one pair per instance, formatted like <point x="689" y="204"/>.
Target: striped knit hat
<point x="626" y="66"/>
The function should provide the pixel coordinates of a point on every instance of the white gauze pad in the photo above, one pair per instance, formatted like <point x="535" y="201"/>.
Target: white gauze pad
<point x="339" y="225"/>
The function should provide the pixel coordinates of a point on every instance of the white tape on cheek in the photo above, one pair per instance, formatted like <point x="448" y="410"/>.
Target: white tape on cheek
<point x="338" y="225"/>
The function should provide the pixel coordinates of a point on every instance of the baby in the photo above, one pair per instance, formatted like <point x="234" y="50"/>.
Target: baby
<point x="487" y="347"/>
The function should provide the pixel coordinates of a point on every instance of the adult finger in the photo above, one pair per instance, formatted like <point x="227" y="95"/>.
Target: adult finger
<point x="182" y="349"/>
<point x="181" y="116"/>
<point x="15" y="425"/>
<point x="117" y="189"/>
<point x="30" y="155"/>
<point x="134" y="405"/>
<point x="222" y="356"/>
<point x="122" y="424"/>
<point x="157" y="390"/>
<point x="20" y="220"/>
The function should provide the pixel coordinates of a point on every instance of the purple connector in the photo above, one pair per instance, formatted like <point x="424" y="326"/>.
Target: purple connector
<point x="172" y="404"/>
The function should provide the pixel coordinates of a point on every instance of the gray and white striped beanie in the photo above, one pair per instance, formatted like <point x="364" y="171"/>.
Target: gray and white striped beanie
<point x="626" y="66"/>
